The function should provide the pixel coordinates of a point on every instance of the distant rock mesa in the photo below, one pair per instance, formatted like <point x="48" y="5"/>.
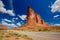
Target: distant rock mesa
<point x="4" y="27"/>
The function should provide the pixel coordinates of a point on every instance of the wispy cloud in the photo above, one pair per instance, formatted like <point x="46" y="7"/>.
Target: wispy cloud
<point x="11" y="24"/>
<point x="15" y="18"/>
<point x="56" y="6"/>
<point x="7" y="24"/>
<point x="56" y="16"/>
<point x="23" y="17"/>
<point x="4" y="10"/>
<point x="7" y="20"/>
<point x="56" y="24"/>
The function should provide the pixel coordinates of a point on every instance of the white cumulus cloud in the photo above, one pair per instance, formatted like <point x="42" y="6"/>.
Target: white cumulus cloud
<point x="23" y="17"/>
<point x="3" y="10"/>
<point x="10" y="12"/>
<point x="56" y="6"/>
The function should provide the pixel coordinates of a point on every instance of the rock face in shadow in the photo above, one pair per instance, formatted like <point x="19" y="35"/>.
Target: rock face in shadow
<point x="34" y="21"/>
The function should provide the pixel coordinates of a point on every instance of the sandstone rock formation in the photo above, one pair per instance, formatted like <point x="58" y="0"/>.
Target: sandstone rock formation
<point x="34" y="21"/>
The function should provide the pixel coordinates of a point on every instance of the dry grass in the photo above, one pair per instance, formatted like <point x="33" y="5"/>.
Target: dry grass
<point x="10" y="35"/>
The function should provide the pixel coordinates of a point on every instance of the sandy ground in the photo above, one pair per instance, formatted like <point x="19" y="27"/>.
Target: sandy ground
<point x="42" y="35"/>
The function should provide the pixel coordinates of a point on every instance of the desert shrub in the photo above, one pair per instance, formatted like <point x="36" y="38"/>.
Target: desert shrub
<point x="18" y="35"/>
<point x="24" y="36"/>
<point x="39" y="30"/>
<point x="15" y="34"/>
<point x="45" y="29"/>
<point x="7" y="36"/>
<point x="11" y="34"/>
<point x="1" y="37"/>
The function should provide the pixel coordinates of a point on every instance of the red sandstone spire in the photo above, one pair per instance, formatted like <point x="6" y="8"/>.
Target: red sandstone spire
<point x="33" y="18"/>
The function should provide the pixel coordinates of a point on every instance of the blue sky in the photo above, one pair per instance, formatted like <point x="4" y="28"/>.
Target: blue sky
<point x="13" y="13"/>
